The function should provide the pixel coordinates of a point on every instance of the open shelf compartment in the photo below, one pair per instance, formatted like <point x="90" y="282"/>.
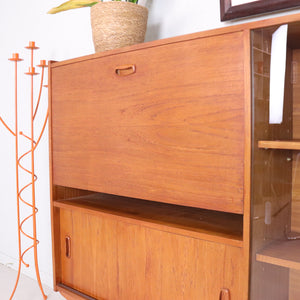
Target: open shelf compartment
<point x="195" y="222"/>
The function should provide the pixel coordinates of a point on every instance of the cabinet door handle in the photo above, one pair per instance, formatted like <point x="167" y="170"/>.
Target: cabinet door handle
<point x="224" y="294"/>
<point x="125" y="70"/>
<point x="68" y="246"/>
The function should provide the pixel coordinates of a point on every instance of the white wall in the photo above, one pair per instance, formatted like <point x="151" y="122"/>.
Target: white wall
<point x="59" y="37"/>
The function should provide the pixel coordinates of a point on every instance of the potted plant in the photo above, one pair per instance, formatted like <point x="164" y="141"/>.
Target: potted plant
<point x="114" y="23"/>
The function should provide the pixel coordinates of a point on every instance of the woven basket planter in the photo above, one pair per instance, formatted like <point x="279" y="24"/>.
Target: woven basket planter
<point x="117" y="24"/>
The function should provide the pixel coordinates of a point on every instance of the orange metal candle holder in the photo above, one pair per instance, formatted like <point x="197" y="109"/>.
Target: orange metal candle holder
<point x="19" y="167"/>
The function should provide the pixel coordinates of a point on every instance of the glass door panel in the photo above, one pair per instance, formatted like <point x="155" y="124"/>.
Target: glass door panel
<point x="275" y="211"/>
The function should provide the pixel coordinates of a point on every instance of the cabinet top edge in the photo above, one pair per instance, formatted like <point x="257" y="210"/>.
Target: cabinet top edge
<point x="191" y="36"/>
<point x="145" y="45"/>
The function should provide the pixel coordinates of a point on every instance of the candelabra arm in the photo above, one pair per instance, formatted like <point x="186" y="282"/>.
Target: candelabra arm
<point x="26" y="136"/>
<point x="42" y="131"/>
<point x="40" y="93"/>
<point x="6" y="126"/>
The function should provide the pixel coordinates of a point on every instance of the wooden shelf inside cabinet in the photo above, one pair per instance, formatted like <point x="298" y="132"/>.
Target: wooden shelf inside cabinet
<point x="281" y="253"/>
<point x="262" y="51"/>
<point x="195" y="222"/>
<point x="262" y="75"/>
<point x="287" y="145"/>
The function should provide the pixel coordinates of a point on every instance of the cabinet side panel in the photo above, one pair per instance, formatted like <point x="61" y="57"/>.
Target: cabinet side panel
<point x="55" y="229"/>
<point x="172" y="131"/>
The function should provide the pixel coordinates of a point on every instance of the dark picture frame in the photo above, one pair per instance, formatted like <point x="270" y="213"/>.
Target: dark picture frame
<point x="229" y="12"/>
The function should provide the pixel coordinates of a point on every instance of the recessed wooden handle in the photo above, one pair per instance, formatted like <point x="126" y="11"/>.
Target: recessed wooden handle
<point x="125" y="70"/>
<point x="224" y="294"/>
<point x="68" y="246"/>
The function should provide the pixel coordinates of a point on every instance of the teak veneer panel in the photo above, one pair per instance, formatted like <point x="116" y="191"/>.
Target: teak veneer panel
<point x="173" y="131"/>
<point x="135" y="262"/>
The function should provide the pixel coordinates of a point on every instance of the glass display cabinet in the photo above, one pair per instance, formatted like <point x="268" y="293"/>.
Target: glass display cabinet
<point x="275" y="200"/>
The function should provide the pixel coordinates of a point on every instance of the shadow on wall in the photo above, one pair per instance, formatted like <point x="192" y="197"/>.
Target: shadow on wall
<point x="153" y="32"/>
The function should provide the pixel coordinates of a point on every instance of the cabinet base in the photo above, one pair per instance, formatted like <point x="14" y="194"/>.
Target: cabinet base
<point x="71" y="294"/>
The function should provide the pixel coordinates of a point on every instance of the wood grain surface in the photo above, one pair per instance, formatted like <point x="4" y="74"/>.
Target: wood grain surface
<point x="172" y="132"/>
<point x="115" y="260"/>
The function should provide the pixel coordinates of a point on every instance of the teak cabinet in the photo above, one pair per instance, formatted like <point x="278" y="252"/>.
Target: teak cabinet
<point x="168" y="182"/>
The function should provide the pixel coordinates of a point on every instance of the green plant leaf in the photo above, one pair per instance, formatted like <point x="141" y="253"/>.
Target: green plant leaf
<point x="71" y="4"/>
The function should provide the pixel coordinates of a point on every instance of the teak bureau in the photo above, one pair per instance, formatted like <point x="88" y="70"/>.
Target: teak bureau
<point x="168" y="182"/>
